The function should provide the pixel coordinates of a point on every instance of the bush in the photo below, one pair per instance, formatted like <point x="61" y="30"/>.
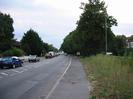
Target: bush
<point x="13" y="52"/>
<point x="129" y="52"/>
<point x="0" y="53"/>
<point x="8" y="53"/>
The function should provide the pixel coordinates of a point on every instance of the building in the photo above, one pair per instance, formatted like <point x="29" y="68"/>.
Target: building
<point x="130" y="42"/>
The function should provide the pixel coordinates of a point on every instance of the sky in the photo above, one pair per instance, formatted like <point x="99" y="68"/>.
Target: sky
<point x="54" y="19"/>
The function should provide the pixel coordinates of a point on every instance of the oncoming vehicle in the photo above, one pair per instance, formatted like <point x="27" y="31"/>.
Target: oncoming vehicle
<point x="33" y="58"/>
<point x="48" y="55"/>
<point x="10" y="62"/>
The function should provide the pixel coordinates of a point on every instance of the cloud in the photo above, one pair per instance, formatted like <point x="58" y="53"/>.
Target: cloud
<point x="123" y="29"/>
<point x="53" y="20"/>
<point x="121" y="10"/>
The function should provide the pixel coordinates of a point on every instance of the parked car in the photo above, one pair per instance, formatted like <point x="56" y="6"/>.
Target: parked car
<point x="33" y="58"/>
<point x="10" y="62"/>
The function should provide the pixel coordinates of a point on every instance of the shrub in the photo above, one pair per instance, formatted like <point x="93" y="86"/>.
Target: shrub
<point x="13" y="52"/>
<point x="129" y="52"/>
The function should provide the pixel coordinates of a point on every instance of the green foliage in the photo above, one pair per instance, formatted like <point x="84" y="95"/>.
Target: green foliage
<point x="45" y="48"/>
<point x="6" y="31"/>
<point x="52" y="48"/>
<point x="31" y="43"/>
<point x="18" y="52"/>
<point x="110" y="76"/>
<point x="48" y="47"/>
<point x="128" y="52"/>
<point x="7" y="53"/>
<point x="71" y="44"/>
<point x="119" y="45"/>
<point x="13" y="52"/>
<point x="89" y="36"/>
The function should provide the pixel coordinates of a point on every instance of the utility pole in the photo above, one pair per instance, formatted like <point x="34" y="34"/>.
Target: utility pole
<point x="106" y="38"/>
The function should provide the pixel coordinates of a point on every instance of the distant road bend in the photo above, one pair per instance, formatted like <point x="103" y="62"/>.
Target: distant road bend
<point x="61" y="77"/>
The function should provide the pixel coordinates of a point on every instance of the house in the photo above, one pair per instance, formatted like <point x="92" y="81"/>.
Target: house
<point x="130" y="42"/>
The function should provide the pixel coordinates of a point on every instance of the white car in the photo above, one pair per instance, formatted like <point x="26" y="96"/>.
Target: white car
<point x="33" y="58"/>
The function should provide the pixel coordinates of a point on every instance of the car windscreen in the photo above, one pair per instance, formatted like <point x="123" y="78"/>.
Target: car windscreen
<point x="7" y="59"/>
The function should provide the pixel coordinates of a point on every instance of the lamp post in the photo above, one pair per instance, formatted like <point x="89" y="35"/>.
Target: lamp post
<point x="106" y="38"/>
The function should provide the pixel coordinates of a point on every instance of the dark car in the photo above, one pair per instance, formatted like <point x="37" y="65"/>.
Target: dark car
<point x="10" y="62"/>
<point x="33" y="58"/>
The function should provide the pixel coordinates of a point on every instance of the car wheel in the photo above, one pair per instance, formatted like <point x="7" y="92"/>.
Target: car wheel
<point x="21" y="65"/>
<point x="13" y="66"/>
<point x="2" y="67"/>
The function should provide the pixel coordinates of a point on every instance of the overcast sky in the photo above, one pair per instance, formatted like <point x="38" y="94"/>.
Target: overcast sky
<point x="54" y="19"/>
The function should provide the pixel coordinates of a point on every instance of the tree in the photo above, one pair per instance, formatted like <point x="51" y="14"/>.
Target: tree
<point x="71" y="43"/>
<point x="92" y="25"/>
<point x="45" y="48"/>
<point x="90" y="32"/>
<point x="48" y="47"/>
<point x="31" y="43"/>
<point x="52" y="48"/>
<point x="6" y="31"/>
<point x="120" y="45"/>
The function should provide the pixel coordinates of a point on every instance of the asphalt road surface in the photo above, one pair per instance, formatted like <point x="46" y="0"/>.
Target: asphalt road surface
<point x="61" y="77"/>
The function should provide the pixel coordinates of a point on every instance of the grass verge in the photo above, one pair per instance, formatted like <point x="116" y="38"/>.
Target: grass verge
<point x="111" y="76"/>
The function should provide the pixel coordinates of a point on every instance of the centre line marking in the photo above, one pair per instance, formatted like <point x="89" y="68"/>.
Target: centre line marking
<point x="58" y="81"/>
<point x="17" y="71"/>
<point x="4" y="73"/>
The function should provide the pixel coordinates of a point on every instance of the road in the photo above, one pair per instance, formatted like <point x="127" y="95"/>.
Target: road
<point x="61" y="77"/>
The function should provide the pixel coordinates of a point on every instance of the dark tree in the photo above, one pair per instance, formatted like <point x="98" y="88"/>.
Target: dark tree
<point x="48" y="47"/>
<point x="45" y="48"/>
<point x="31" y="43"/>
<point x="120" y="45"/>
<point x="93" y="24"/>
<point x="52" y="48"/>
<point x="89" y="36"/>
<point x="6" y="32"/>
<point x="71" y="43"/>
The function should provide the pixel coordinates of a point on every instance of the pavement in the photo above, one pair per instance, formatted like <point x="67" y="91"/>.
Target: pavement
<point x="60" y="77"/>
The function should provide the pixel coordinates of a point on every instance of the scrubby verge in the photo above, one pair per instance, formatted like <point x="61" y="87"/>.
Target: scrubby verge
<point x="111" y="76"/>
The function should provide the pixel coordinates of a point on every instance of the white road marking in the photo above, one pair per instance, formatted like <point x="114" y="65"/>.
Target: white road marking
<point x="4" y="74"/>
<point x="17" y="71"/>
<point x="58" y="81"/>
<point x="21" y="71"/>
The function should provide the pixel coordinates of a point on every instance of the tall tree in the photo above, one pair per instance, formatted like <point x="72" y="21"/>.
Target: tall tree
<point x="89" y="36"/>
<point x="71" y="43"/>
<point x="6" y="31"/>
<point x="92" y="26"/>
<point x="48" y="47"/>
<point x="32" y="43"/>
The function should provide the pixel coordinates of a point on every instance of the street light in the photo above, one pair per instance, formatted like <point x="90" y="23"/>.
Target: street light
<point x="106" y="39"/>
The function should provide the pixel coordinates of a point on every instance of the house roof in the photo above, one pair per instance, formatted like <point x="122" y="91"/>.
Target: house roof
<point x="130" y="39"/>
